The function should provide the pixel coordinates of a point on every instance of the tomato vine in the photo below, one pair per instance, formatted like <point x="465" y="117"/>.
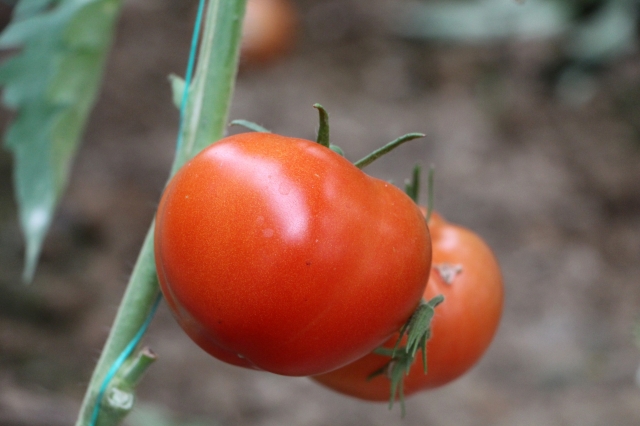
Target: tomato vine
<point x="203" y="122"/>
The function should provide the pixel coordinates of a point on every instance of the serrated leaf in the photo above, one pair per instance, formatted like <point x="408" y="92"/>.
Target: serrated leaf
<point x="51" y="83"/>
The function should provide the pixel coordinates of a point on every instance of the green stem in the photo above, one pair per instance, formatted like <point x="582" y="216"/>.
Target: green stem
<point x="133" y="372"/>
<point x="119" y="396"/>
<point x="135" y="306"/>
<point x="210" y="94"/>
<point x="204" y="122"/>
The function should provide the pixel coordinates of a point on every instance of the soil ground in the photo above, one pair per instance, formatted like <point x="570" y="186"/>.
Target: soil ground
<point x="552" y="185"/>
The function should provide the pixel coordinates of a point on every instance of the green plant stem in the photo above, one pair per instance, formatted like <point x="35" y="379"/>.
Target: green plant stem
<point x="135" y="306"/>
<point x="204" y="122"/>
<point x="210" y="94"/>
<point x="138" y="365"/>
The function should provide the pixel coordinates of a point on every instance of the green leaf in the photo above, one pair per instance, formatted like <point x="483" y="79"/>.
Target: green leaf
<point x="52" y="84"/>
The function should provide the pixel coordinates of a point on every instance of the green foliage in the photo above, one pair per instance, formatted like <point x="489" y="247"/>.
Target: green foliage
<point x="51" y="83"/>
<point x="590" y="30"/>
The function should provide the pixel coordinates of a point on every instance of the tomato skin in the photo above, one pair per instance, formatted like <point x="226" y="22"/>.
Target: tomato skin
<point x="277" y="254"/>
<point x="268" y="32"/>
<point x="462" y="328"/>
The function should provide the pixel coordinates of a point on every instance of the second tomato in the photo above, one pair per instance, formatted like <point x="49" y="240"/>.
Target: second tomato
<point x="467" y="274"/>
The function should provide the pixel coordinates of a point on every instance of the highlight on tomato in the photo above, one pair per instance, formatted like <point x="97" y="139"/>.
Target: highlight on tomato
<point x="269" y="31"/>
<point x="464" y="271"/>
<point x="278" y="254"/>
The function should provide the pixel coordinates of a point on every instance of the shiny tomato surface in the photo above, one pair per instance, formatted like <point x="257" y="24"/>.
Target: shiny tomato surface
<point x="466" y="272"/>
<point x="276" y="253"/>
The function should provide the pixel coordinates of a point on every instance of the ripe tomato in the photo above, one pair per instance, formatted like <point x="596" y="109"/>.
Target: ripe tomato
<point x="466" y="272"/>
<point x="268" y="31"/>
<point x="276" y="253"/>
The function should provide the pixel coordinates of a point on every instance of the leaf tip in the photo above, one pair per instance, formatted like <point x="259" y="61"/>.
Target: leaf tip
<point x="35" y="223"/>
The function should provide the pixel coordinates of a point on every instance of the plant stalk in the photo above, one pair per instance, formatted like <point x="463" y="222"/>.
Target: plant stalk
<point x="207" y="112"/>
<point x="204" y="122"/>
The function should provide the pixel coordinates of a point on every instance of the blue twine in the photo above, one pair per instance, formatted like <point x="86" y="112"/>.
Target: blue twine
<point x="189" y="73"/>
<point x="128" y="350"/>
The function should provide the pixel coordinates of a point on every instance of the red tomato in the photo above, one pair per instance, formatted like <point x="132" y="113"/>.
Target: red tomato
<point x="466" y="272"/>
<point x="276" y="253"/>
<point x="268" y="31"/>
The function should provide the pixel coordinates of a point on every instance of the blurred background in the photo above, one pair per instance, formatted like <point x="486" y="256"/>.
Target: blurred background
<point x="532" y="116"/>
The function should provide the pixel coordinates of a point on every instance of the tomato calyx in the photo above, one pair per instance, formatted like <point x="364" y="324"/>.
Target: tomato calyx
<point x="412" y="188"/>
<point x="418" y="328"/>
<point x="430" y="192"/>
<point x="395" y="370"/>
<point x="365" y="161"/>
<point x="323" y="138"/>
<point x="323" y="130"/>
<point x="417" y="331"/>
